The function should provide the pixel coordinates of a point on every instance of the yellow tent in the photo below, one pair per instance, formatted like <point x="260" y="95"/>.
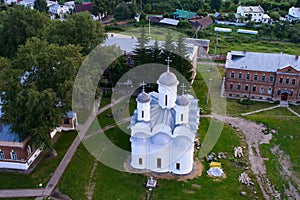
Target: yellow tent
<point x="215" y="164"/>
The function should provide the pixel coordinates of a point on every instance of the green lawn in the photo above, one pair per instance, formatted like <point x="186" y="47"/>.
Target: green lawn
<point x="288" y="126"/>
<point x="295" y="108"/>
<point x="113" y="184"/>
<point x="43" y="171"/>
<point x="234" y="108"/>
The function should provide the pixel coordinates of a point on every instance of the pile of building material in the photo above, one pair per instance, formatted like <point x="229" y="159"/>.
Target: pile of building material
<point x="245" y="179"/>
<point x="238" y="152"/>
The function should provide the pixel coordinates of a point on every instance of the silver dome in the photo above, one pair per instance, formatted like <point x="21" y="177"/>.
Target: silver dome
<point x="182" y="101"/>
<point x="143" y="97"/>
<point x="168" y="79"/>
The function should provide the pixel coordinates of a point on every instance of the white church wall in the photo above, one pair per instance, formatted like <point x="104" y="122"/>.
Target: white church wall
<point x="139" y="156"/>
<point x="170" y="92"/>
<point x="159" y="152"/>
<point x="143" y="111"/>
<point x="184" y="111"/>
<point x="184" y="159"/>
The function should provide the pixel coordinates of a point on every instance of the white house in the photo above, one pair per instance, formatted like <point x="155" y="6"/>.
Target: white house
<point x="59" y="9"/>
<point x="255" y="12"/>
<point x="163" y="129"/>
<point x="26" y="3"/>
<point x="9" y="2"/>
<point x="294" y="14"/>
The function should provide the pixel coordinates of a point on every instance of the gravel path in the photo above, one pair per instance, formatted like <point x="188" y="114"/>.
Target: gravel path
<point x="254" y="138"/>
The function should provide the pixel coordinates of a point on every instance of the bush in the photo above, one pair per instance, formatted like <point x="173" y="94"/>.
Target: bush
<point x="246" y="102"/>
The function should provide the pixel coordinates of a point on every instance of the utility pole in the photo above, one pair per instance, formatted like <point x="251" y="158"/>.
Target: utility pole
<point x="208" y="92"/>
<point x="149" y="26"/>
<point x="216" y="46"/>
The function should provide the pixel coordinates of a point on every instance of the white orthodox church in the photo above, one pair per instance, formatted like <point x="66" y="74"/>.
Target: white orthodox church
<point x="163" y="129"/>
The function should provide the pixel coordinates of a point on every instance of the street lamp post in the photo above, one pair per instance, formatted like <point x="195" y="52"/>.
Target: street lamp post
<point x="208" y="92"/>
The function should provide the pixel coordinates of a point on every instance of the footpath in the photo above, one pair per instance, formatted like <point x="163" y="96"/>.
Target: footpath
<point x="47" y="191"/>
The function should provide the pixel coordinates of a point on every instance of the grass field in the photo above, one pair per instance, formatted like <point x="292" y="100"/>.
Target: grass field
<point x="288" y="126"/>
<point x="44" y="170"/>
<point x="113" y="184"/>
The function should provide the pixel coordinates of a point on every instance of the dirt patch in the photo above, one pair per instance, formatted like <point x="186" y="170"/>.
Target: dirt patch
<point x="286" y="166"/>
<point x="91" y="185"/>
<point x="254" y="138"/>
<point x="196" y="172"/>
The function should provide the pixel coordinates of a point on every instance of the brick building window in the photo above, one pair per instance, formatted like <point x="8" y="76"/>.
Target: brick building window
<point x="271" y="78"/>
<point x="231" y="86"/>
<point x="280" y="80"/>
<point x="270" y="90"/>
<point x="13" y="155"/>
<point x="254" y="89"/>
<point x="255" y="77"/>
<point x="246" y="87"/>
<point x="263" y="78"/>
<point x="240" y="75"/>
<point x="261" y="89"/>
<point x="248" y="76"/>
<point x="1" y="155"/>
<point x="278" y="92"/>
<point x="294" y="81"/>
<point x="232" y="75"/>
<point x="239" y="87"/>
<point x="287" y="81"/>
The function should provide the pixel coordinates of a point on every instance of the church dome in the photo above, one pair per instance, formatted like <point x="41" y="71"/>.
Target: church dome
<point x="143" y="97"/>
<point x="183" y="142"/>
<point x="182" y="101"/>
<point x="161" y="139"/>
<point x="168" y="78"/>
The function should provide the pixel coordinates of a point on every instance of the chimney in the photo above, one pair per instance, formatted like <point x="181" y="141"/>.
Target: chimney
<point x="244" y="51"/>
<point x="296" y="57"/>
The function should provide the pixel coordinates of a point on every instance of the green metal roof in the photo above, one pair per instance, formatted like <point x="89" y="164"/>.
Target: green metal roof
<point x="183" y="14"/>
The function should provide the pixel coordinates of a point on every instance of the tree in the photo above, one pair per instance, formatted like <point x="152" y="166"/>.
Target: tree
<point x="169" y="44"/>
<point x="35" y="85"/>
<point x="98" y="7"/>
<point x="40" y="5"/>
<point x="17" y="25"/>
<point x="297" y="3"/>
<point x="122" y="12"/>
<point x="79" y="29"/>
<point x="215" y="4"/>
<point x="141" y="49"/>
<point x="275" y="15"/>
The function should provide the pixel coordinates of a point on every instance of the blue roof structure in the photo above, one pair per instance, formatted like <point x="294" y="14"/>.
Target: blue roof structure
<point x="6" y="135"/>
<point x="70" y="114"/>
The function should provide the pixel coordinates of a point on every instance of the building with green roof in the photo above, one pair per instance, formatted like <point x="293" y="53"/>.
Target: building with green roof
<point x="183" y="14"/>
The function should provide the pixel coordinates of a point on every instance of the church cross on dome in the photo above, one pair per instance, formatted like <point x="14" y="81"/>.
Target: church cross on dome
<point x="143" y="86"/>
<point x="168" y="63"/>
<point x="183" y="88"/>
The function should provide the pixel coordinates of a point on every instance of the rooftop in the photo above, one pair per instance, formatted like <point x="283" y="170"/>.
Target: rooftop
<point x="167" y="116"/>
<point x="268" y="62"/>
<point x="6" y="135"/>
<point x="183" y="14"/>
<point x="252" y="9"/>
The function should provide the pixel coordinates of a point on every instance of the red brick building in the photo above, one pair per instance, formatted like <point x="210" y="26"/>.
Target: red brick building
<point x="14" y="152"/>
<point x="263" y="76"/>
